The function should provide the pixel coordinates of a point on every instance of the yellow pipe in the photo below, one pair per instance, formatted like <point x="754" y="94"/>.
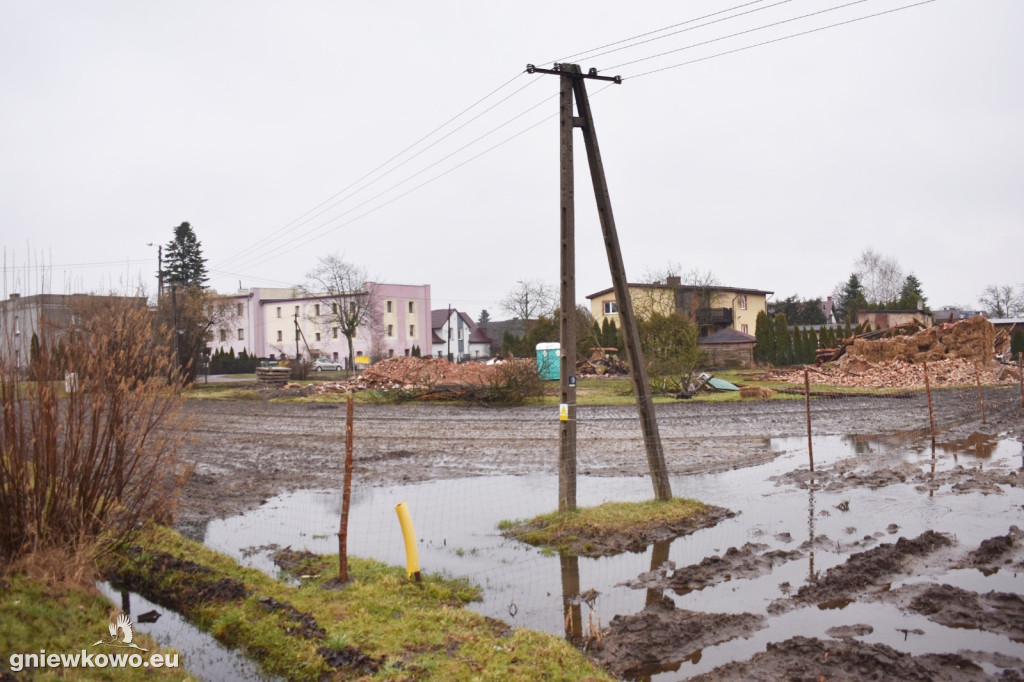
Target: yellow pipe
<point x="412" y="552"/>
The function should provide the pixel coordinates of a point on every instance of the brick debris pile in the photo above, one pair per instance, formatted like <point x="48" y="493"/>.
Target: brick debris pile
<point x="953" y="352"/>
<point x="409" y="373"/>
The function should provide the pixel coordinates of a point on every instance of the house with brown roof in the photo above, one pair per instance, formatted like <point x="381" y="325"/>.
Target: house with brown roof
<point x="713" y="308"/>
<point x="455" y="336"/>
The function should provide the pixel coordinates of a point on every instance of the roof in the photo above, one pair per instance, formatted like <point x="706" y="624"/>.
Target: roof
<point x="684" y="287"/>
<point x="438" y="318"/>
<point x="435" y="338"/>
<point x="727" y="335"/>
<point x="479" y="336"/>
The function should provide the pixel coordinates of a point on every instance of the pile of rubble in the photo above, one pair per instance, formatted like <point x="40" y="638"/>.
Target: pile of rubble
<point x="957" y="354"/>
<point x="602" y="362"/>
<point x="425" y="375"/>
<point x="899" y="374"/>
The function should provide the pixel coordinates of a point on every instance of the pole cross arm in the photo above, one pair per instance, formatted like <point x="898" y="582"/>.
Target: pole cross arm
<point x="559" y="71"/>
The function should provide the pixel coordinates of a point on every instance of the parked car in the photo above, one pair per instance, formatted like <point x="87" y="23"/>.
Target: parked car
<point x="326" y="364"/>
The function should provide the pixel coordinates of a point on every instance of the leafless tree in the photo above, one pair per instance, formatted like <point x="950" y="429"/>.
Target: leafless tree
<point x="348" y="298"/>
<point x="1002" y="301"/>
<point x="530" y="299"/>
<point x="880" y="276"/>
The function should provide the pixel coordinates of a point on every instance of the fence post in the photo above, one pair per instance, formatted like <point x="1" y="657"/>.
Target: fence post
<point x="931" y="411"/>
<point x="981" y="398"/>
<point x="807" y="404"/>
<point x="1020" y="375"/>
<point x="346" y="496"/>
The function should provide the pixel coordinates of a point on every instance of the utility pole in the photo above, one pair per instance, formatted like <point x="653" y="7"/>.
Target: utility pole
<point x="638" y="368"/>
<point x="567" y="325"/>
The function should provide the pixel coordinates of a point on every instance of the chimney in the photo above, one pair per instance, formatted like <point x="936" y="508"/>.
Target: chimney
<point x="673" y="281"/>
<point x="15" y="297"/>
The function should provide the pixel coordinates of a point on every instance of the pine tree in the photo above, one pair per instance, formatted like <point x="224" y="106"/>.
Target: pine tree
<point x="1017" y="343"/>
<point x="912" y="296"/>
<point x="811" y="341"/>
<point x="184" y="265"/>
<point x="764" y="334"/>
<point x="783" y="341"/>
<point x="485" y="317"/>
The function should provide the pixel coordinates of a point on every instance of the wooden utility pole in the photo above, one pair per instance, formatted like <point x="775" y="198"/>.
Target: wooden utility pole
<point x="638" y="368"/>
<point x="567" y="329"/>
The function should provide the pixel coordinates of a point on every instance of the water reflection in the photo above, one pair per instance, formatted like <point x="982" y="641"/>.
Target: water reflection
<point x="456" y="522"/>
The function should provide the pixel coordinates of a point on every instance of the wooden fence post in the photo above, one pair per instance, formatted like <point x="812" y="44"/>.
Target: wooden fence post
<point x="346" y="496"/>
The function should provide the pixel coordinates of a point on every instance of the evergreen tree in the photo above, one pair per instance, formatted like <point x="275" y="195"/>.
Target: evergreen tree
<point x="850" y="299"/>
<point x="764" y="334"/>
<point x="184" y="265"/>
<point x="1017" y="344"/>
<point x="485" y="317"/>
<point x="783" y="341"/>
<point x="811" y="341"/>
<point x="911" y="296"/>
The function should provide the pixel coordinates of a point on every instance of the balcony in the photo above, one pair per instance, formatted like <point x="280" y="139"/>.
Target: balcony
<point x="716" y="317"/>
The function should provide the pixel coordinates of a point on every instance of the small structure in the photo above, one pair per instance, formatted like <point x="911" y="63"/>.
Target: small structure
<point x="547" y="360"/>
<point x="728" y="348"/>
<point x="883" y="319"/>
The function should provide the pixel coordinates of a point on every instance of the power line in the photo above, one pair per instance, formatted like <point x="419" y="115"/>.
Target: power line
<point x="733" y="35"/>
<point x="648" y="33"/>
<point x="777" y="40"/>
<point x="303" y="218"/>
<point x="691" y="28"/>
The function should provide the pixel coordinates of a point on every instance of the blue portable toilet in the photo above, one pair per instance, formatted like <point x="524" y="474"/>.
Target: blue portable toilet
<point x="547" y="360"/>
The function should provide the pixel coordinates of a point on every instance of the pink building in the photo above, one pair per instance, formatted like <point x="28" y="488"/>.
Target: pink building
<point x="286" y="322"/>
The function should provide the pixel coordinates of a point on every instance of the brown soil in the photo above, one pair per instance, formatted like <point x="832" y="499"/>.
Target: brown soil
<point x="245" y="453"/>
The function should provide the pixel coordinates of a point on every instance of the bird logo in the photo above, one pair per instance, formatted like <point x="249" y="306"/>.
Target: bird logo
<point x="124" y="625"/>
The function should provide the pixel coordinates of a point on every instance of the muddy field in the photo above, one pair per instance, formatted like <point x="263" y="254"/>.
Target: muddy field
<point x="247" y="452"/>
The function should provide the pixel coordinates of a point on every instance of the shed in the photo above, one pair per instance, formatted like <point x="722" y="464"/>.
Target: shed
<point x="728" y="348"/>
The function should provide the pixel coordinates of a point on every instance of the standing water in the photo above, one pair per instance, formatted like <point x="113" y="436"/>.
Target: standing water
<point x="456" y="523"/>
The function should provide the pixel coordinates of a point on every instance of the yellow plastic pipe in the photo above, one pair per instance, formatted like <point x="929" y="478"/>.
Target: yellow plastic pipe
<point x="412" y="552"/>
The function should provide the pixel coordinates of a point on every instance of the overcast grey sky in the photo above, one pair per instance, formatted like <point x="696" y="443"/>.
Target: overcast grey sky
<point x="266" y="124"/>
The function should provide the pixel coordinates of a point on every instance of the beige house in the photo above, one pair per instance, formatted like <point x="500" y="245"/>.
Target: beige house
<point x="883" y="319"/>
<point x="713" y="308"/>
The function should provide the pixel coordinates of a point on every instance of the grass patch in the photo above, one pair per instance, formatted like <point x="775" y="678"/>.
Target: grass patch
<point x="613" y="527"/>
<point x="379" y="625"/>
<point x="37" y="614"/>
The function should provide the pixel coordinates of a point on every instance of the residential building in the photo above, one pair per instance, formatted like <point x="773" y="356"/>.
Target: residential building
<point x="47" y="317"/>
<point x="456" y="337"/>
<point x="713" y="308"/>
<point x="285" y="322"/>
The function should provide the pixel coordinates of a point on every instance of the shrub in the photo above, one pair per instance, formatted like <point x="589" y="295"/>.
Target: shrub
<point x="98" y="458"/>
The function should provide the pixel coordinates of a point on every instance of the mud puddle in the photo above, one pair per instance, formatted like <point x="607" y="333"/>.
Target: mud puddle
<point x="201" y="654"/>
<point x="786" y="535"/>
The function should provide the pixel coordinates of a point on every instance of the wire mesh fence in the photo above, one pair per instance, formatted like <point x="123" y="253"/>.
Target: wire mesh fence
<point x="462" y="471"/>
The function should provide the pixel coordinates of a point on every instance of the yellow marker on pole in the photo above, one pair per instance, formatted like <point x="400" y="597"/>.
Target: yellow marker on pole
<point x="563" y="412"/>
<point x="412" y="552"/>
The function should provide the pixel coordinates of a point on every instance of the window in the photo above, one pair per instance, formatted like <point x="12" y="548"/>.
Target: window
<point x="238" y="309"/>
<point x="611" y="308"/>
<point x="316" y="309"/>
<point x="279" y="311"/>
<point x="296" y="311"/>
<point x="391" y="330"/>
<point x="406" y="352"/>
<point x="391" y="352"/>
<point x="412" y="330"/>
<point x="223" y="334"/>
<point x="439" y="354"/>
<point x="318" y="336"/>
<point x="743" y="328"/>
<point x="334" y="309"/>
<point x="241" y="335"/>
<point x="411" y="310"/>
<point x="389" y="306"/>
<point x="280" y="335"/>
<point x="334" y="332"/>
<point x="743" y="301"/>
